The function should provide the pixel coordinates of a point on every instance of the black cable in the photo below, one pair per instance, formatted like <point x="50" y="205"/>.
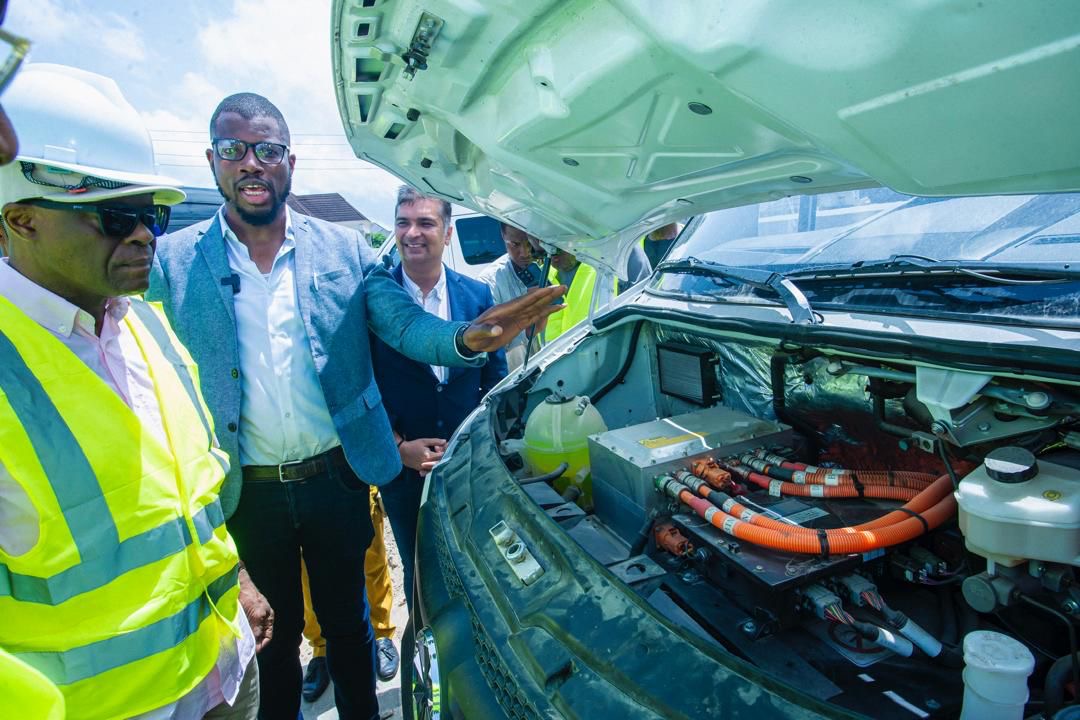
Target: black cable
<point x="546" y="477"/>
<point x="619" y="376"/>
<point x="1072" y="634"/>
<point x="643" y="535"/>
<point x="948" y="464"/>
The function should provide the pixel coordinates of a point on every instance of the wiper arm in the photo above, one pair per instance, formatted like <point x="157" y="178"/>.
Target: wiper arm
<point x="1001" y="273"/>
<point x="789" y="293"/>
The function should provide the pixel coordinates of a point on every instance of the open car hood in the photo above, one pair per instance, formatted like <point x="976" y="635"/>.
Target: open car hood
<point x="588" y="123"/>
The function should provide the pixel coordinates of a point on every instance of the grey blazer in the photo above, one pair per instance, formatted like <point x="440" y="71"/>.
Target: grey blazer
<point x="341" y="291"/>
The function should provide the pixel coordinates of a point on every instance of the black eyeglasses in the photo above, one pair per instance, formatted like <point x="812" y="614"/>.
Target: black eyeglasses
<point x="266" y="152"/>
<point x="117" y="221"/>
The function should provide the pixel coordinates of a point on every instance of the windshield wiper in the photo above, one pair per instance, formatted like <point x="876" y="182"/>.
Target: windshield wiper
<point x="1002" y="273"/>
<point x="789" y="293"/>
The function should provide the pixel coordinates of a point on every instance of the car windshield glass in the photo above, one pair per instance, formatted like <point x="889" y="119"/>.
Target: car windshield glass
<point x="1003" y="257"/>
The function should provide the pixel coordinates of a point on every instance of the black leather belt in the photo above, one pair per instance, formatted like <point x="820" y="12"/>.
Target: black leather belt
<point x="296" y="469"/>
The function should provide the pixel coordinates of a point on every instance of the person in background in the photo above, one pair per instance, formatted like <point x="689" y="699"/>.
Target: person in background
<point x="122" y="585"/>
<point x="658" y="242"/>
<point x="580" y="278"/>
<point x="427" y="401"/>
<point x="511" y="276"/>
<point x="272" y="305"/>
<point x="380" y="594"/>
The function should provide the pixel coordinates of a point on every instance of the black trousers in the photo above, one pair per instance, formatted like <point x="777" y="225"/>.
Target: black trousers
<point x="325" y="517"/>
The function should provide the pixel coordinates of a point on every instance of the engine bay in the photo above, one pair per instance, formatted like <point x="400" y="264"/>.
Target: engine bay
<point x="890" y="535"/>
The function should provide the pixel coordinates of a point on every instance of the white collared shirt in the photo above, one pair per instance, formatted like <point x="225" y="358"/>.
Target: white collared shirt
<point x="283" y="413"/>
<point x="115" y="357"/>
<point x="435" y="302"/>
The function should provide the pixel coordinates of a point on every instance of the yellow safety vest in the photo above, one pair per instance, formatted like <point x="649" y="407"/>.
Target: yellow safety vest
<point x="130" y="590"/>
<point x="27" y="694"/>
<point x="578" y="297"/>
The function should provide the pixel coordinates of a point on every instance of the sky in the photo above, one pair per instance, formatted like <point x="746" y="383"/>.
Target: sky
<point x="174" y="61"/>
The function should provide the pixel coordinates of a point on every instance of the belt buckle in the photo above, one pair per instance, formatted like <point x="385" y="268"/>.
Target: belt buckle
<point x="281" y="470"/>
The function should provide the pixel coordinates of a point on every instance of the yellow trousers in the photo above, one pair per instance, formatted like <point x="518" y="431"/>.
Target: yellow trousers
<point x="377" y="584"/>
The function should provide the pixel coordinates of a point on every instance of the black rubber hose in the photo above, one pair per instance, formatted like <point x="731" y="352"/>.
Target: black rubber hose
<point x="877" y="393"/>
<point x="947" y="615"/>
<point x="1074" y="659"/>
<point x="642" y="536"/>
<point x="619" y="376"/>
<point x="1054" y="688"/>
<point x="546" y="477"/>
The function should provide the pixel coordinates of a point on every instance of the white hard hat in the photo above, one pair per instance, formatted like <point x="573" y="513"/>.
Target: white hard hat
<point x="79" y="141"/>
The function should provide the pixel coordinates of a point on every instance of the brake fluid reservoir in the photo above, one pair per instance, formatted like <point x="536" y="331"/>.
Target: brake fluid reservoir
<point x="557" y="431"/>
<point x="1014" y="508"/>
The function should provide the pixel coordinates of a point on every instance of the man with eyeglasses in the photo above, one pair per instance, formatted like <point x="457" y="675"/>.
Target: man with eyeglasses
<point x="118" y="579"/>
<point x="275" y="307"/>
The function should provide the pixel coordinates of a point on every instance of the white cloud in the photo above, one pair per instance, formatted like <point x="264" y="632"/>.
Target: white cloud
<point x="49" y="21"/>
<point x="280" y="49"/>
<point x="118" y="36"/>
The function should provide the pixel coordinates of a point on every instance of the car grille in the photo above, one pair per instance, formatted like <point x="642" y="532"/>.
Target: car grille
<point x="498" y="677"/>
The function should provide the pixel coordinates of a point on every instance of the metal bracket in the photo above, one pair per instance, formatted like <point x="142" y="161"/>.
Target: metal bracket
<point x="427" y="29"/>
<point x="516" y="553"/>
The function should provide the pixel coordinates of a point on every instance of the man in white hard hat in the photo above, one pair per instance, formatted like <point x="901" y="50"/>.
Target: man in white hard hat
<point x="118" y="579"/>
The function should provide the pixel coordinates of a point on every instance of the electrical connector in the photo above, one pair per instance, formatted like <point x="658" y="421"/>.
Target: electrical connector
<point x="853" y="586"/>
<point x="818" y="599"/>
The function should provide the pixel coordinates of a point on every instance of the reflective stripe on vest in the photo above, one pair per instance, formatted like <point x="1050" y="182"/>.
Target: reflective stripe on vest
<point x="88" y="517"/>
<point x="161" y="336"/>
<point x="71" y="666"/>
<point x="89" y="521"/>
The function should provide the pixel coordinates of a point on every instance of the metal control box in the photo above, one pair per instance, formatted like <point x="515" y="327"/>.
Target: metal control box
<point x="623" y="462"/>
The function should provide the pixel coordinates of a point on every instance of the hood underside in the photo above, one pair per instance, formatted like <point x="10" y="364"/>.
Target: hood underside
<point x="588" y="123"/>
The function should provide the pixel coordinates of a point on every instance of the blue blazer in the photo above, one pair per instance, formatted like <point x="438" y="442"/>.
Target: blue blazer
<point x="341" y="292"/>
<point x="418" y="405"/>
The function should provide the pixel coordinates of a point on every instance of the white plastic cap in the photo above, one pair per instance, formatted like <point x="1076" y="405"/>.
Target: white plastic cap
<point x="72" y="125"/>
<point x="997" y="666"/>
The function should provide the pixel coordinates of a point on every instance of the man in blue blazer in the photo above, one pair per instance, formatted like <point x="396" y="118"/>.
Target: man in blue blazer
<point x="426" y="402"/>
<point x="275" y="308"/>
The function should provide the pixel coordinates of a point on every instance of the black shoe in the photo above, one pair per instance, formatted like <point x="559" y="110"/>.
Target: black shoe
<point x="316" y="679"/>
<point x="388" y="658"/>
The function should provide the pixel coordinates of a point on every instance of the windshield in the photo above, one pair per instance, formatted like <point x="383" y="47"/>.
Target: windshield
<point x="1009" y="256"/>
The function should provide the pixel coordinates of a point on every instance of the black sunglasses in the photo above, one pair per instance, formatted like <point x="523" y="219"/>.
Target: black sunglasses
<point x="235" y="150"/>
<point x="117" y="221"/>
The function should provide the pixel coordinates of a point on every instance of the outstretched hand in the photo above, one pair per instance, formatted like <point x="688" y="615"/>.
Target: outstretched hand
<point x="496" y="327"/>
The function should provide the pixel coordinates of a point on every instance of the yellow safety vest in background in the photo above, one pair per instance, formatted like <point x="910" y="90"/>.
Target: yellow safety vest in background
<point x="130" y="590"/>
<point x="578" y="297"/>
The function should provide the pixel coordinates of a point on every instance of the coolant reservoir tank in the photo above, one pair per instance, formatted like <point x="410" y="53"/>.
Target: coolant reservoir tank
<point x="557" y="431"/>
<point x="1014" y="508"/>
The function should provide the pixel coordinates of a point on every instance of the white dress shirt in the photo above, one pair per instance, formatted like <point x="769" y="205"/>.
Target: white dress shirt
<point x="115" y="357"/>
<point x="435" y="302"/>
<point x="505" y="285"/>
<point x="283" y="413"/>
